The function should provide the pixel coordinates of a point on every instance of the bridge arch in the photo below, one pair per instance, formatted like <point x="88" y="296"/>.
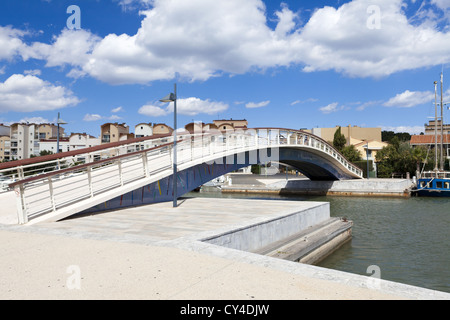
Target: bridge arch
<point x="145" y="175"/>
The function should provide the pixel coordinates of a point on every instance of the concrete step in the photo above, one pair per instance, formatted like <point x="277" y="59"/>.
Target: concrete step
<point x="313" y="244"/>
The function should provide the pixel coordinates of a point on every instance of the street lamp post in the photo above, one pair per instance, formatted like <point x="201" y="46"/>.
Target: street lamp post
<point x="367" y="156"/>
<point x="59" y="122"/>
<point x="172" y="97"/>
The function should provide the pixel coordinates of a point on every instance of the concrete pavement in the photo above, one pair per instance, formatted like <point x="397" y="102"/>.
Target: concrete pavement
<point x="108" y="256"/>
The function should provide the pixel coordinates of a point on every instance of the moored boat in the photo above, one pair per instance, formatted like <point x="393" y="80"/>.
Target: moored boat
<point x="434" y="184"/>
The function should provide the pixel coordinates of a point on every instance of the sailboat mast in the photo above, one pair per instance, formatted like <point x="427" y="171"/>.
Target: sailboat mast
<point x="435" y="129"/>
<point x="442" y="123"/>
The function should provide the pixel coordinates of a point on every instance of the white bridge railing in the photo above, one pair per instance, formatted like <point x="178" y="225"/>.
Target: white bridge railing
<point x="129" y="166"/>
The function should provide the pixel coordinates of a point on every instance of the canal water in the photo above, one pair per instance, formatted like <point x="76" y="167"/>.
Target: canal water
<point x="406" y="239"/>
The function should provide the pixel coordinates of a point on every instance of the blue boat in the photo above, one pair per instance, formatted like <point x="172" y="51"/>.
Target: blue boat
<point x="434" y="184"/>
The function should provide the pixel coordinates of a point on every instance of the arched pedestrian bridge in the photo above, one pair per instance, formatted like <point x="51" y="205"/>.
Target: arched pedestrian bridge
<point x="140" y="171"/>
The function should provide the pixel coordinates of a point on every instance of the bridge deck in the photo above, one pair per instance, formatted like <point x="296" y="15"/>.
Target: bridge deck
<point x="160" y="221"/>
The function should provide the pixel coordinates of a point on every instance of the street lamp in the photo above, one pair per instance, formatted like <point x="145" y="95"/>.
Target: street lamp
<point x="59" y="122"/>
<point x="172" y="97"/>
<point x="367" y="156"/>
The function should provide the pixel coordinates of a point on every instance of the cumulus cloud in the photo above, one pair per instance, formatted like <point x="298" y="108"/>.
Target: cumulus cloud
<point x="92" y="117"/>
<point x="332" y="107"/>
<point x="11" y="43"/>
<point x="37" y="120"/>
<point x="252" y="105"/>
<point x="408" y="99"/>
<point x="212" y="38"/>
<point x="25" y="93"/>
<point x="189" y="106"/>
<point x="96" y="117"/>
<point x="153" y="111"/>
<point x="409" y="129"/>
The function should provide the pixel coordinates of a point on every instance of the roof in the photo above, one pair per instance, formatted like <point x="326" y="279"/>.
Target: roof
<point x="428" y="139"/>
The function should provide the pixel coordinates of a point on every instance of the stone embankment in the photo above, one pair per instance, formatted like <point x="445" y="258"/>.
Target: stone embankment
<point x="282" y="184"/>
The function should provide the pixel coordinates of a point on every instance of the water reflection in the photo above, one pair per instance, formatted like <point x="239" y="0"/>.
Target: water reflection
<point x="407" y="238"/>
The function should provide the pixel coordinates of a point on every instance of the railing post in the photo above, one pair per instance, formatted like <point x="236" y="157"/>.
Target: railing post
<point x="52" y="196"/>
<point x="145" y="164"/>
<point x="89" y="174"/>
<point x="119" y="164"/>
<point x="20" y="173"/>
<point x="22" y="215"/>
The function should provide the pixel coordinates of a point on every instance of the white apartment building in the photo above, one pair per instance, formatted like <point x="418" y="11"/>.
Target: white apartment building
<point x="25" y="138"/>
<point x="51" y="145"/>
<point x="76" y="141"/>
<point x="82" y="140"/>
<point x="143" y="130"/>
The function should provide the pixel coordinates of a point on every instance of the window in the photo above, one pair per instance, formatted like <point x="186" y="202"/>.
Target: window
<point x="447" y="185"/>
<point x="439" y="184"/>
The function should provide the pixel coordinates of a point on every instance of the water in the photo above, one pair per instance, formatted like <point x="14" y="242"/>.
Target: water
<point x="407" y="238"/>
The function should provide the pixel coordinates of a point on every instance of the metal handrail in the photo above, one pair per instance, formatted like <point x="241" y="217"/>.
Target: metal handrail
<point x="47" y="192"/>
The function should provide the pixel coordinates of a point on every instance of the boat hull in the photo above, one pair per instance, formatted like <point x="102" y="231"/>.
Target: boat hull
<point x="433" y="187"/>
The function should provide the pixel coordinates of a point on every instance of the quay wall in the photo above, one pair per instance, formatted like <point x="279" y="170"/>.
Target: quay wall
<point x="258" y="235"/>
<point x="360" y="187"/>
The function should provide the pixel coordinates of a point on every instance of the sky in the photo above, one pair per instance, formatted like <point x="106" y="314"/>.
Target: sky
<point x="291" y="64"/>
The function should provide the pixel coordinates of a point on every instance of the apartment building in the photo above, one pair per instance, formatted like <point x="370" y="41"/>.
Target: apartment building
<point x="143" y="130"/>
<point x="430" y="127"/>
<point x="230" y="124"/>
<point x="355" y="132"/>
<point x="25" y="138"/>
<point x="113" y="132"/>
<point x="161" y="128"/>
<point x="5" y="147"/>
<point x="5" y="142"/>
<point x="82" y="140"/>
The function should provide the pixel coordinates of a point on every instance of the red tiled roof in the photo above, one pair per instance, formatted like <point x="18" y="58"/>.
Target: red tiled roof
<point x="428" y="139"/>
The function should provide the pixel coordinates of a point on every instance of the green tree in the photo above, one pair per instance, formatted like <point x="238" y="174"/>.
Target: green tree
<point x="339" y="140"/>
<point x="399" y="157"/>
<point x="351" y="153"/>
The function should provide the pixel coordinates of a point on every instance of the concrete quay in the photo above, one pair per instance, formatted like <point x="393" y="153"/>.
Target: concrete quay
<point x="280" y="184"/>
<point x="160" y="252"/>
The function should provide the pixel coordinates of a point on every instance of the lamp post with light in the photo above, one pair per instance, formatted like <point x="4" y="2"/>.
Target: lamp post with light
<point x="172" y="97"/>
<point x="59" y="122"/>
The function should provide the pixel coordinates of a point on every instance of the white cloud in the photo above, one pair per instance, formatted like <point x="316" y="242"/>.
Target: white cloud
<point x="441" y="4"/>
<point x="72" y="47"/>
<point x="153" y="111"/>
<point x="118" y="109"/>
<point x="251" y="105"/>
<point x="409" y="129"/>
<point x="29" y="93"/>
<point x="304" y="101"/>
<point x="10" y="42"/>
<point x="92" y="117"/>
<point x="96" y="117"/>
<point x="211" y="38"/>
<point x="332" y="107"/>
<point x="35" y="72"/>
<point x="37" y="120"/>
<point x="408" y="99"/>
<point x="189" y="106"/>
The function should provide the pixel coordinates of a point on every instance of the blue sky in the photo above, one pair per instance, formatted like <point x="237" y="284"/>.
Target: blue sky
<point x="293" y="64"/>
